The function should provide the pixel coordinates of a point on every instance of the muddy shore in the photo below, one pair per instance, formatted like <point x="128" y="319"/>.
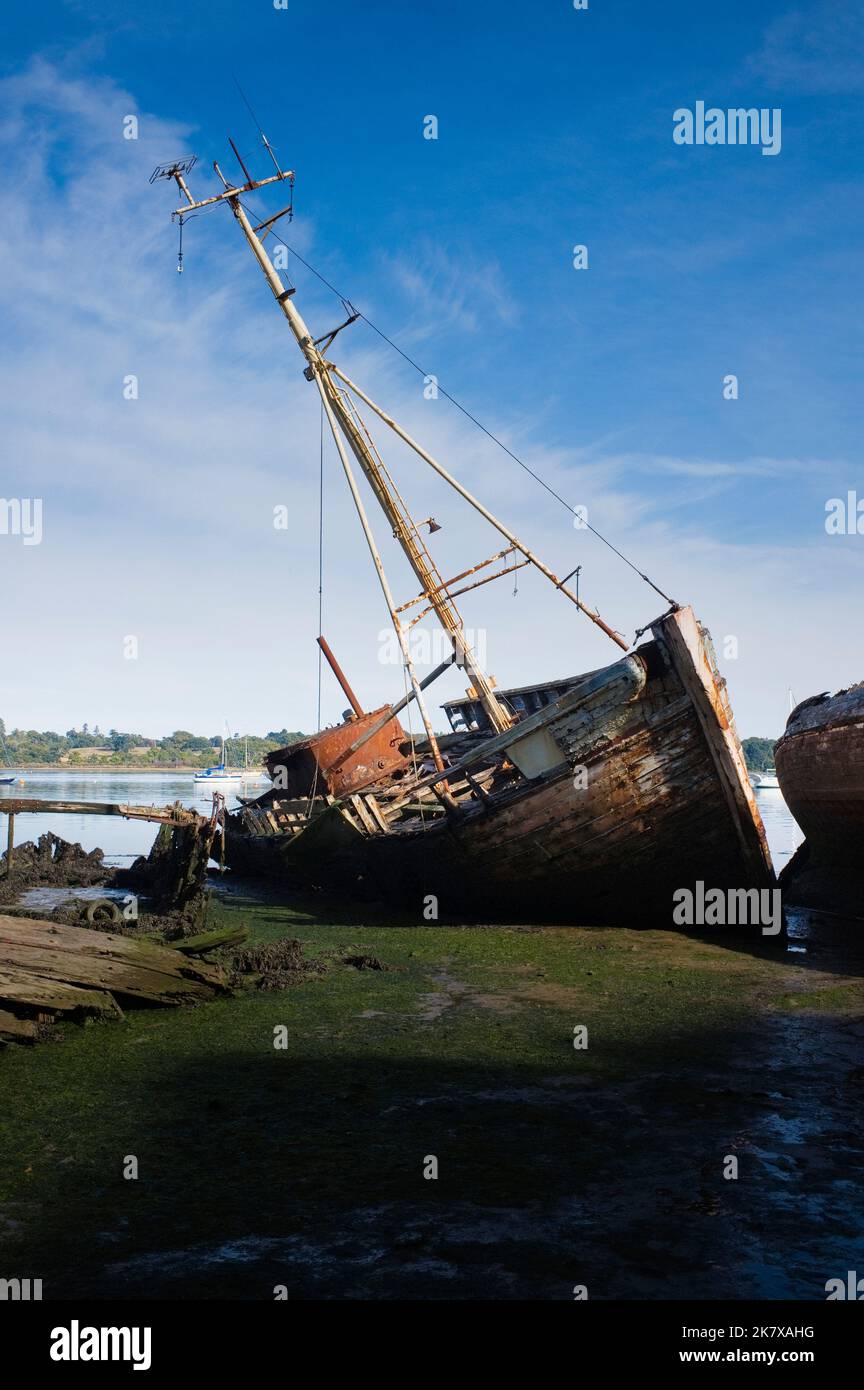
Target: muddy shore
<point x="301" y="1165"/>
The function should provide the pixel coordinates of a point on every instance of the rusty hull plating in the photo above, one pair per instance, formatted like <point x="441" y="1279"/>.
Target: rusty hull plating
<point x="320" y="763"/>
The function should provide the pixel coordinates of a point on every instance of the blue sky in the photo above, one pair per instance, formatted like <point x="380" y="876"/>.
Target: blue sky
<point x="555" y="128"/>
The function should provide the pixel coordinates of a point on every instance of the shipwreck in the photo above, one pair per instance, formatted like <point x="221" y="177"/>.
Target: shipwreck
<point x="820" y="766"/>
<point x="580" y="799"/>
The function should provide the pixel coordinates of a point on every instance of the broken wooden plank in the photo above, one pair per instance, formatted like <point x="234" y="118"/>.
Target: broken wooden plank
<point x="41" y="932"/>
<point x="374" y="807"/>
<point x="13" y="1029"/>
<point x="103" y="960"/>
<point x="174" y="815"/>
<point x="136" y="982"/>
<point x="211" y="940"/>
<point x="363" y="814"/>
<point x="56" y="996"/>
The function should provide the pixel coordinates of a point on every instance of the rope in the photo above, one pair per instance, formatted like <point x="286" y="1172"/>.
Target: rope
<point x="468" y="415"/>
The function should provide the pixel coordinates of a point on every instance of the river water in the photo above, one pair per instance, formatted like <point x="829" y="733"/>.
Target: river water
<point x="122" y="840"/>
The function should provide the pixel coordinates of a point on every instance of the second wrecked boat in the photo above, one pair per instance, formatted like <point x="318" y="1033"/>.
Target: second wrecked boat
<point x="820" y="764"/>
<point x="582" y="799"/>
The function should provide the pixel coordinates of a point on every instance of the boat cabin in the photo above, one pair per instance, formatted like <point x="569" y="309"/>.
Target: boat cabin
<point x="468" y="715"/>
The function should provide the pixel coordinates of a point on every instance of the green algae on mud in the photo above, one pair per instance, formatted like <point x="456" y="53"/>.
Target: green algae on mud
<point x="462" y="1048"/>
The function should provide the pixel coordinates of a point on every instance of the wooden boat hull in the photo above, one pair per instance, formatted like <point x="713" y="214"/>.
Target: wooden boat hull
<point x="646" y="793"/>
<point x="820" y="764"/>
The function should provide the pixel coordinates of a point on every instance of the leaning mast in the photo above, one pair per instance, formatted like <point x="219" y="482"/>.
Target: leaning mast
<point x="347" y="425"/>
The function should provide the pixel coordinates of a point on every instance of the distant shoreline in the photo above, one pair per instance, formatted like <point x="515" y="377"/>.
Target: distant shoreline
<point x="23" y="769"/>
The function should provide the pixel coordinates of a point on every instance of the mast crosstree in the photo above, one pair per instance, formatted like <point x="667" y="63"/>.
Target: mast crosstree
<point x="347" y="426"/>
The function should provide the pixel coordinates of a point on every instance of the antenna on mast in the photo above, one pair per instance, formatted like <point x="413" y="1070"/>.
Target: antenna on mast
<point x="265" y="142"/>
<point x="240" y="161"/>
<point x="177" y="166"/>
<point x="175" y="170"/>
<point x="180" y="167"/>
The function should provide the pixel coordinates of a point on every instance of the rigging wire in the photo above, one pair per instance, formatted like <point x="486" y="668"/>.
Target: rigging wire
<point x="248" y="107"/>
<point x="586" y="525"/>
<point x="458" y="404"/>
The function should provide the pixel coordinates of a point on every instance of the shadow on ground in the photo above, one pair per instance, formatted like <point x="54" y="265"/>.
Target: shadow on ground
<point x="305" y="1170"/>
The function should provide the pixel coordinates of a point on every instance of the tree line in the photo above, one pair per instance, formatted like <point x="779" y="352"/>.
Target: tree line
<point x="758" y="753"/>
<point x="183" y="748"/>
<point x="23" y="747"/>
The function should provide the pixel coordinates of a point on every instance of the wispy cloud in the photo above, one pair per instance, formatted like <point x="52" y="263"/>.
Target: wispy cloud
<point x="449" y="290"/>
<point x="158" y="512"/>
<point x="816" y="48"/>
<point x="715" y="468"/>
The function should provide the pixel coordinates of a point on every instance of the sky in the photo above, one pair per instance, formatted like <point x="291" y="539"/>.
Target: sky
<point x="554" y="130"/>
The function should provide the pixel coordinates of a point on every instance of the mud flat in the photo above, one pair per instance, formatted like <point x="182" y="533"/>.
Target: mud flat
<point x="312" y="1110"/>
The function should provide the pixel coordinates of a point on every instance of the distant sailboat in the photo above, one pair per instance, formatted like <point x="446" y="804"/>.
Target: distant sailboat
<point x="221" y="777"/>
<point x="766" y="781"/>
<point x="7" y="781"/>
<point x="252" y="776"/>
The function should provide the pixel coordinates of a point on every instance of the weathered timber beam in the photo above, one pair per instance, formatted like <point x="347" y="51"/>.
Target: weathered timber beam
<point x="29" y="806"/>
<point x="28" y="988"/>
<point x="75" y="957"/>
<point x="17" y="1029"/>
<point x="212" y="940"/>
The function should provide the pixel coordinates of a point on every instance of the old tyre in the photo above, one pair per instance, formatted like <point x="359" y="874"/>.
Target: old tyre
<point x="103" y="911"/>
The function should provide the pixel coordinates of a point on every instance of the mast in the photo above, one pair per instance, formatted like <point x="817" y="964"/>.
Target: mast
<point x="347" y="426"/>
<point x="337" y="404"/>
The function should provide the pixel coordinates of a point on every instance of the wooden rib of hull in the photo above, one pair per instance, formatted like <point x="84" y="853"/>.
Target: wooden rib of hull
<point x="667" y="802"/>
